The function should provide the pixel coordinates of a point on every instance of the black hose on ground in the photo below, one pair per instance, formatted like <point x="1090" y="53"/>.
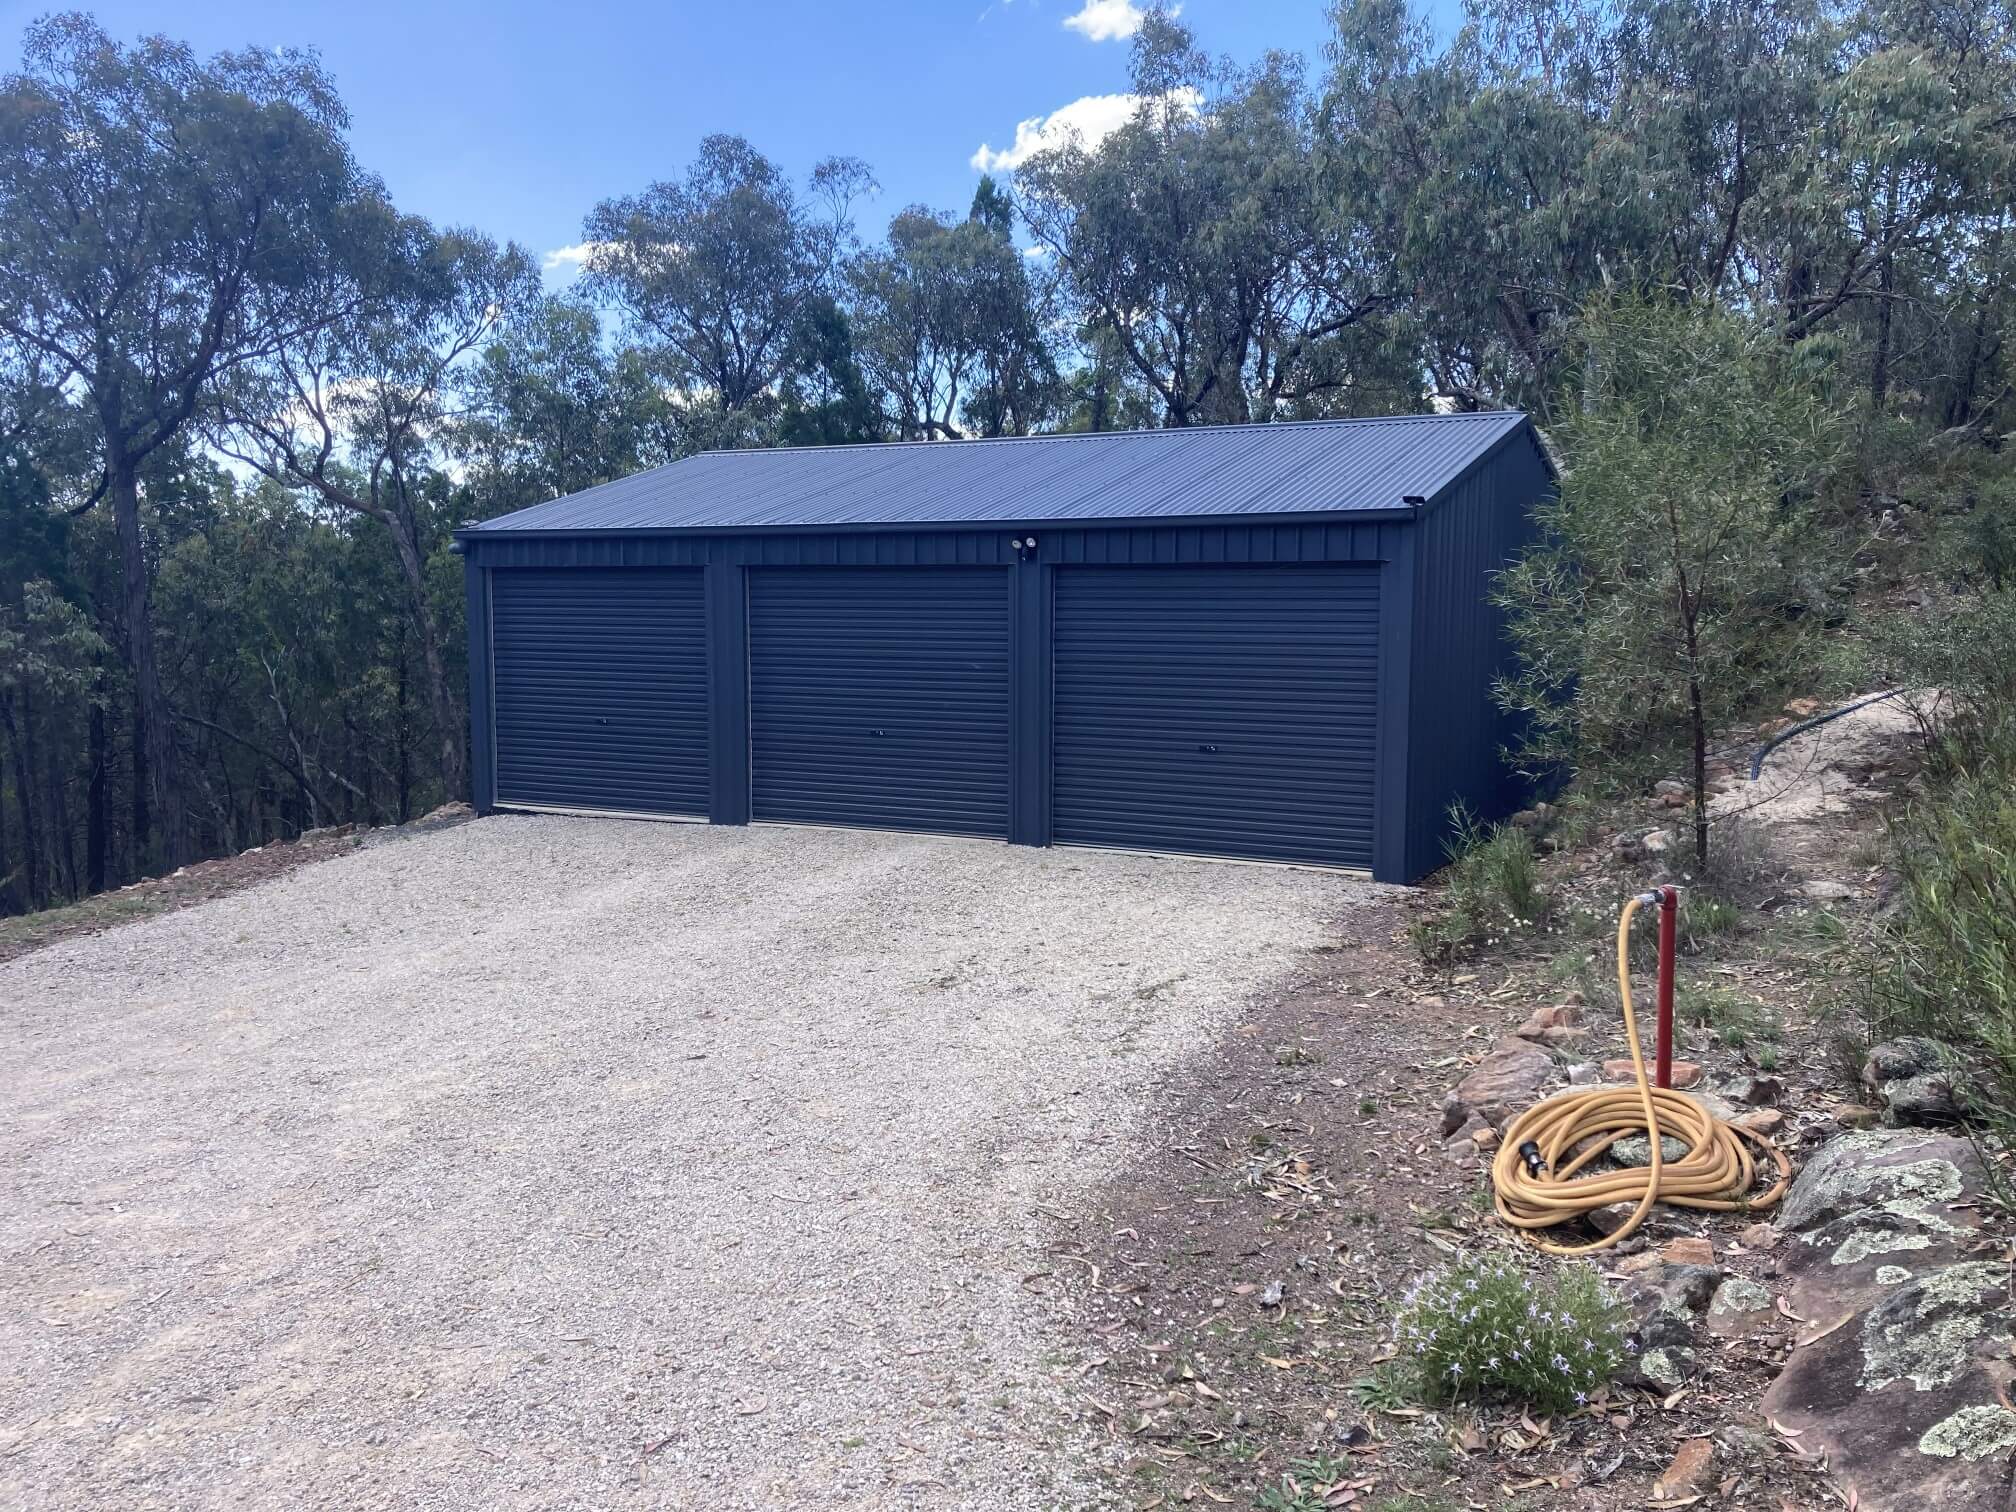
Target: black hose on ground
<point x="1757" y="761"/>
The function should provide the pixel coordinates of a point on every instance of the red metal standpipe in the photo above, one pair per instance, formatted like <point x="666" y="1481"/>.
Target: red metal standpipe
<point x="1669" y="914"/>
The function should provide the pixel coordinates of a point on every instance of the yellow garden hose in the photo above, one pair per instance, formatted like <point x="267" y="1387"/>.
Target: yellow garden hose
<point x="1575" y="1129"/>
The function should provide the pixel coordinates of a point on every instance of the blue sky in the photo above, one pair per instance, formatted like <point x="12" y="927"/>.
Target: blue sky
<point x="517" y="117"/>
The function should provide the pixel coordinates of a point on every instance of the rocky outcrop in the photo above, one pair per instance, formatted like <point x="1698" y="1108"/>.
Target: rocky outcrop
<point x="1913" y="1077"/>
<point x="1900" y="1373"/>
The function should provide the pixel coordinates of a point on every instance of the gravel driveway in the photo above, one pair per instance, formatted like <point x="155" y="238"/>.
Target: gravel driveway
<point x="568" y="1162"/>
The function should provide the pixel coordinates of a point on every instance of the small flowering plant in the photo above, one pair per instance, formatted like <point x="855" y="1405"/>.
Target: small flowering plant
<point x="1486" y="1327"/>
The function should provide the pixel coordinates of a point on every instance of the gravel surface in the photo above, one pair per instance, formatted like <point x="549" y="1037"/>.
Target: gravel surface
<point x="567" y="1162"/>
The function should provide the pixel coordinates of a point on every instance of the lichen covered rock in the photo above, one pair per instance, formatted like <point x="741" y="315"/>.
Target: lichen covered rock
<point x="1909" y="1172"/>
<point x="1869" y="1203"/>
<point x="1902" y="1398"/>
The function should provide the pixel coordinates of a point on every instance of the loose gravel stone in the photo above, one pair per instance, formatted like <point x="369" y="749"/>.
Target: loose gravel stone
<point x="549" y="1161"/>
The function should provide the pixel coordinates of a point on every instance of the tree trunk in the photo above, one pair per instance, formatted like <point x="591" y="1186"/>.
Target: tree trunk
<point x="1886" y="283"/>
<point x="95" y="835"/>
<point x="156" y="733"/>
<point x="34" y="890"/>
<point x="399" y="730"/>
<point x="63" y="840"/>
<point x="10" y="892"/>
<point x="447" y="720"/>
<point x="136" y="849"/>
<point x="1700" y="721"/>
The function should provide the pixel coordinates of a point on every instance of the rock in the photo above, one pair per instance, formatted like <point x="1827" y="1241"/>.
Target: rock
<point x="1658" y="842"/>
<point x="1543" y="1021"/>
<point x="1857" y="1116"/>
<point x="1536" y="817"/>
<point x="1739" y="1308"/>
<point x="1607" y="1220"/>
<point x="1869" y="1202"/>
<point x="1499" y="1086"/>
<point x="1824" y="891"/>
<point x="1903" y="1397"/>
<point x="1685" y="1073"/>
<point x="1666" y="787"/>
<point x="1584" y="1074"/>
<point x="1761" y="1121"/>
<point x="1629" y="849"/>
<point x="1758" y="1236"/>
<point x="1663" y="1298"/>
<point x="1754" y="1091"/>
<point x="1897" y="1169"/>
<point x="1636" y="1149"/>
<point x="1803" y="708"/>
<point x="1690" y="1249"/>
<point x="1690" y="1472"/>
<point x="1663" y="1370"/>
<point x="1741" y="1443"/>
<point x="1912" y="1076"/>
<point x="1460" y="1143"/>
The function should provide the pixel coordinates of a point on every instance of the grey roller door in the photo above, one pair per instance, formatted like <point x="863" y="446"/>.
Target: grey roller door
<point x="601" y="688"/>
<point x="1217" y="710"/>
<point x="878" y="696"/>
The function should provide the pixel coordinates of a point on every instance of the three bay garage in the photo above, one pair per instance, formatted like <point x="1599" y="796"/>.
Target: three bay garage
<point x="1269" y="642"/>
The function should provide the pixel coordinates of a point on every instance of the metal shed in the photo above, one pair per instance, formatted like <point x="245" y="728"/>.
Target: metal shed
<point x="1271" y="642"/>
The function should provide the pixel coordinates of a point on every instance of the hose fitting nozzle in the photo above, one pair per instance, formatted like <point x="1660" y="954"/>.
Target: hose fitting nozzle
<point x="1535" y="1161"/>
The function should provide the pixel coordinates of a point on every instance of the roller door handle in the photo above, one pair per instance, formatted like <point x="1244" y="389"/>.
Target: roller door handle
<point x="1208" y="749"/>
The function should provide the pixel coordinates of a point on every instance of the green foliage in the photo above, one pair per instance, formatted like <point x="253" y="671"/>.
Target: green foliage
<point x="1705" y="917"/>
<point x="1488" y="1329"/>
<point x="1204" y="246"/>
<point x="1492" y="891"/>
<point x="719" y="267"/>
<point x="1682" y="571"/>
<point x="1306" y="1486"/>
<point x="1385" y="1390"/>
<point x="948" y="329"/>
<point x="1944" y="963"/>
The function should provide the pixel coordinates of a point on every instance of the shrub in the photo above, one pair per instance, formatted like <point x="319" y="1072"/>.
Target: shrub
<point x="1945" y="963"/>
<point x="1493" y="890"/>
<point x="1488" y="1328"/>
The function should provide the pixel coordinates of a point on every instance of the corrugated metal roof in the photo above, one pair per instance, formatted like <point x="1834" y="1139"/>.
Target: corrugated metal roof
<point x="1308" y="466"/>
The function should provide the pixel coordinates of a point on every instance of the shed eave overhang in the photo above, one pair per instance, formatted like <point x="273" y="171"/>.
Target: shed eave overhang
<point x="1381" y="516"/>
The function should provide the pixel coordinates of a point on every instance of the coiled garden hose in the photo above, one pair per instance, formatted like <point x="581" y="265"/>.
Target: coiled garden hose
<point x="1563" y="1136"/>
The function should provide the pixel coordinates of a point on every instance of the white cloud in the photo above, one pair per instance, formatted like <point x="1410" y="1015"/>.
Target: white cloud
<point x="1088" y="121"/>
<point x="575" y="256"/>
<point x="1108" y="20"/>
<point x="1036" y="253"/>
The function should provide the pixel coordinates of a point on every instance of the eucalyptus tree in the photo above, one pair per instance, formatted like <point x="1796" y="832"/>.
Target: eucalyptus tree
<point x="1196" y="236"/>
<point x="157" y="214"/>
<point x="549" y="408"/>
<point x="946" y="329"/>
<point x="359" y="413"/>
<point x="721" y="265"/>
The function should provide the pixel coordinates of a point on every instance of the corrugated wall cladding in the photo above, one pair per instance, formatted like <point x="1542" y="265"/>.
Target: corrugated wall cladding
<point x="1459" y="650"/>
<point x="601" y="690"/>
<point x="1325" y="466"/>
<point x="879" y="696"/>
<point x="1221" y="710"/>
